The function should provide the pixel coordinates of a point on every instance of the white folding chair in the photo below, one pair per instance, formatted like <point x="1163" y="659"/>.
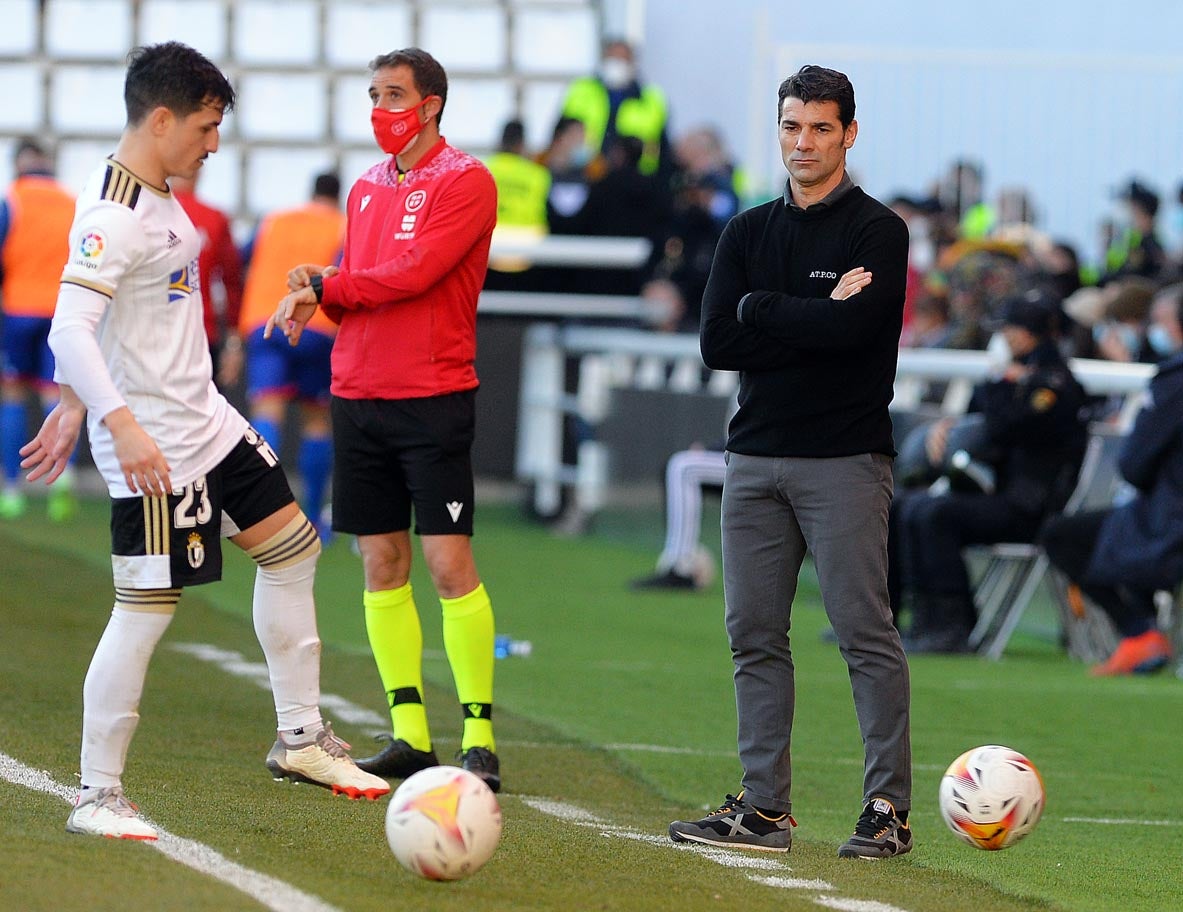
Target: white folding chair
<point x="1014" y="571"/>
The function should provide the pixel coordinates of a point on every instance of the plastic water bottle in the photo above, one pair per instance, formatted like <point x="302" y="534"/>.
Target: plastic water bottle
<point x="504" y="647"/>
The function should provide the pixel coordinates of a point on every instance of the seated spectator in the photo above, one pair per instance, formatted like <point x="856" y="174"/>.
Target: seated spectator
<point x="1121" y="333"/>
<point x="930" y="327"/>
<point x="1031" y="415"/>
<point x="683" y="563"/>
<point x="1119" y="557"/>
<point x="703" y="163"/>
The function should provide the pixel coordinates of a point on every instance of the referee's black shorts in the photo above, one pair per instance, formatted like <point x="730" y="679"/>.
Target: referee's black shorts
<point x="392" y="454"/>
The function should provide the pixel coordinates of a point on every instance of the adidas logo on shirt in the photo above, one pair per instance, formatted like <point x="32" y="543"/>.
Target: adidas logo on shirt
<point x="173" y="240"/>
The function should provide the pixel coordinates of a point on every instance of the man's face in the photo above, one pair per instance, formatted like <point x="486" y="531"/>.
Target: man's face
<point x="393" y="89"/>
<point x="187" y="141"/>
<point x="812" y="142"/>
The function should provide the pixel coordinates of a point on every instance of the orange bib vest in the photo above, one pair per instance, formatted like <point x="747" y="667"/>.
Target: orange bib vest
<point x="40" y="212"/>
<point x="312" y="233"/>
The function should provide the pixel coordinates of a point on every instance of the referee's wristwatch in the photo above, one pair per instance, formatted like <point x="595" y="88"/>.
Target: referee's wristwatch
<point x="317" y="283"/>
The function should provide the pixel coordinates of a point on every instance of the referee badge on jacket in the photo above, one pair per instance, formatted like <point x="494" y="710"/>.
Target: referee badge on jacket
<point x="195" y="550"/>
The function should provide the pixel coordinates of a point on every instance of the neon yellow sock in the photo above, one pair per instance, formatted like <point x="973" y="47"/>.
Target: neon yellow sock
<point x="396" y="639"/>
<point x="468" y="640"/>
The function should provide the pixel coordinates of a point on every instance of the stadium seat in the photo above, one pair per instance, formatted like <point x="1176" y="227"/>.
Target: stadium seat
<point x="24" y="97"/>
<point x="19" y="35"/>
<point x="276" y="31"/>
<point x="465" y="39"/>
<point x="281" y="106"/>
<point x="87" y="100"/>
<point x="477" y="110"/>
<point x="1013" y="571"/>
<point x="280" y="178"/>
<point x="555" y="42"/>
<point x="90" y="29"/>
<point x="356" y="33"/>
<point x="202" y="23"/>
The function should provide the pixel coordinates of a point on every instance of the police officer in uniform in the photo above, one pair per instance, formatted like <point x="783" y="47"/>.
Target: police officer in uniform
<point x="1033" y="426"/>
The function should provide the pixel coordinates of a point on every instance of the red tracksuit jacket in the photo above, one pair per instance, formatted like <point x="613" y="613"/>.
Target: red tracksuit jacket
<point x="415" y="257"/>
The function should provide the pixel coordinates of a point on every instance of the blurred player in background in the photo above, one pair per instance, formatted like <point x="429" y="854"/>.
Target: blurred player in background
<point x="404" y="392"/>
<point x="35" y="218"/>
<point x="182" y="466"/>
<point x="219" y="269"/>
<point x="275" y="371"/>
<point x="805" y="299"/>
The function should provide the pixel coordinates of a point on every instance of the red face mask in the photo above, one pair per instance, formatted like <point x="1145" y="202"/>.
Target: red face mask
<point x="396" y="130"/>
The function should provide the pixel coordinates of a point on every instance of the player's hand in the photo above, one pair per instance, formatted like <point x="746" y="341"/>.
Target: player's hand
<point x="48" y="453"/>
<point x="231" y="364"/>
<point x="292" y="315"/>
<point x="851" y="284"/>
<point x="299" y="277"/>
<point x="144" y="467"/>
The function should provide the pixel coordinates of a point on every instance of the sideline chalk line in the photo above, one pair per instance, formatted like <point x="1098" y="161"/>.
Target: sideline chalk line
<point x="271" y="892"/>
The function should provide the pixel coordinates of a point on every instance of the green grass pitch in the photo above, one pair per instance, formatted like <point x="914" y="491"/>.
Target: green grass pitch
<point x="621" y="720"/>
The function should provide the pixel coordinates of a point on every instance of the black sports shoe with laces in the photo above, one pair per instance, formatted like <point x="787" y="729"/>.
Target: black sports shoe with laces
<point x="397" y="760"/>
<point x="482" y="762"/>
<point x="879" y="833"/>
<point x="740" y="825"/>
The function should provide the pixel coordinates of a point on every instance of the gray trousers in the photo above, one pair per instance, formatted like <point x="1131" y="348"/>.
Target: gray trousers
<point x="774" y="508"/>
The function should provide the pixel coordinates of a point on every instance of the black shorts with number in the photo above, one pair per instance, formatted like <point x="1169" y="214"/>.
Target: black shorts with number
<point x="175" y="540"/>
<point x="392" y="454"/>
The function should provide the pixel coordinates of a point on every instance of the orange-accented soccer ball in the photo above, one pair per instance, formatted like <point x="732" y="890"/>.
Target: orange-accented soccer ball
<point x="443" y="823"/>
<point x="991" y="797"/>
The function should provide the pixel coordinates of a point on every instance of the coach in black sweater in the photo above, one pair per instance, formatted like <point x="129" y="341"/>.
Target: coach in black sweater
<point x="805" y="299"/>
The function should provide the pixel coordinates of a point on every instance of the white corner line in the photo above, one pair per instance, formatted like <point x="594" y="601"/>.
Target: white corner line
<point x="267" y="890"/>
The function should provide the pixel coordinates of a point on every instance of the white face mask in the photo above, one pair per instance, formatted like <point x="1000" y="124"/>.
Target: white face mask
<point x="616" y="73"/>
<point x="1160" y="340"/>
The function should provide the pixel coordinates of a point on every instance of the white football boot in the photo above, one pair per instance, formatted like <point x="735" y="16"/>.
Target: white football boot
<point x="323" y="760"/>
<point x="106" y="812"/>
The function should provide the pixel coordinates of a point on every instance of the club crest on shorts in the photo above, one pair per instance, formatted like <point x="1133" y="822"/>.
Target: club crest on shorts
<point x="195" y="550"/>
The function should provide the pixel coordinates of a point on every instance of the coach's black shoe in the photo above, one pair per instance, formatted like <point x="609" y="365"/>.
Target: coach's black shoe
<point x="739" y="825"/>
<point x="879" y="833"/>
<point x="397" y="760"/>
<point x="670" y="579"/>
<point x="483" y="763"/>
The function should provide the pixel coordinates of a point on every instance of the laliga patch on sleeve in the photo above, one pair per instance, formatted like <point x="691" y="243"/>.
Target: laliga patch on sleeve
<point x="90" y="249"/>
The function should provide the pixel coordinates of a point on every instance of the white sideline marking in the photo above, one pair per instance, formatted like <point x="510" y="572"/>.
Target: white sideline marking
<point x="267" y="890"/>
<point x="235" y="663"/>
<point x="573" y="814"/>
<point x="854" y="905"/>
<point x="1119" y="821"/>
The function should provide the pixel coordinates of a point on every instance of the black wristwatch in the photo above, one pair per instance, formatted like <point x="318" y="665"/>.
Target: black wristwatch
<point x="317" y="283"/>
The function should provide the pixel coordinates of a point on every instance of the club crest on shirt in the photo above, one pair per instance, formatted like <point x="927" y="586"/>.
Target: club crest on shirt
<point x="415" y="200"/>
<point x="195" y="550"/>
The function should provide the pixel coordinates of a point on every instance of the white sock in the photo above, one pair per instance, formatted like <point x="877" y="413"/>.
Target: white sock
<point x="285" y="623"/>
<point x="111" y="693"/>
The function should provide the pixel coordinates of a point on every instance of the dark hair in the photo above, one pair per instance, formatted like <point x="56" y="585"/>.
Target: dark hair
<point x="562" y="125"/>
<point x="327" y="184"/>
<point x="27" y="144"/>
<point x="814" y="83"/>
<point x="175" y="76"/>
<point x="512" y="135"/>
<point x="429" y="76"/>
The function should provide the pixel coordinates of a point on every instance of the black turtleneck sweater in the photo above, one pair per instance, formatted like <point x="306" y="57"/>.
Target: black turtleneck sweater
<point x="816" y="375"/>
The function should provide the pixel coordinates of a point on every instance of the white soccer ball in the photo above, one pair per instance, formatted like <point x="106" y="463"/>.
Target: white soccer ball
<point x="991" y="796"/>
<point x="443" y="823"/>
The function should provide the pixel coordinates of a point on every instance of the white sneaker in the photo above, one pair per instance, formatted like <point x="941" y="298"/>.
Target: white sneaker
<point x="323" y="761"/>
<point x="106" y="812"/>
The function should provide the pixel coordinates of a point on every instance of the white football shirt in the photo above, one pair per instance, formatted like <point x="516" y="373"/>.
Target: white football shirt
<point x="131" y="284"/>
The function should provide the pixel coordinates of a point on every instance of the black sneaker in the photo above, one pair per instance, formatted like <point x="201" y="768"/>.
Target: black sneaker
<point x="738" y="824"/>
<point x="671" y="579"/>
<point x="482" y="762"/>
<point x="397" y="760"/>
<point x="879" y="833"/>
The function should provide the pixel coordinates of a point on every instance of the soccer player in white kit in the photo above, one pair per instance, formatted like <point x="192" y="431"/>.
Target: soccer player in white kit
<point x="182" y="466"/>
